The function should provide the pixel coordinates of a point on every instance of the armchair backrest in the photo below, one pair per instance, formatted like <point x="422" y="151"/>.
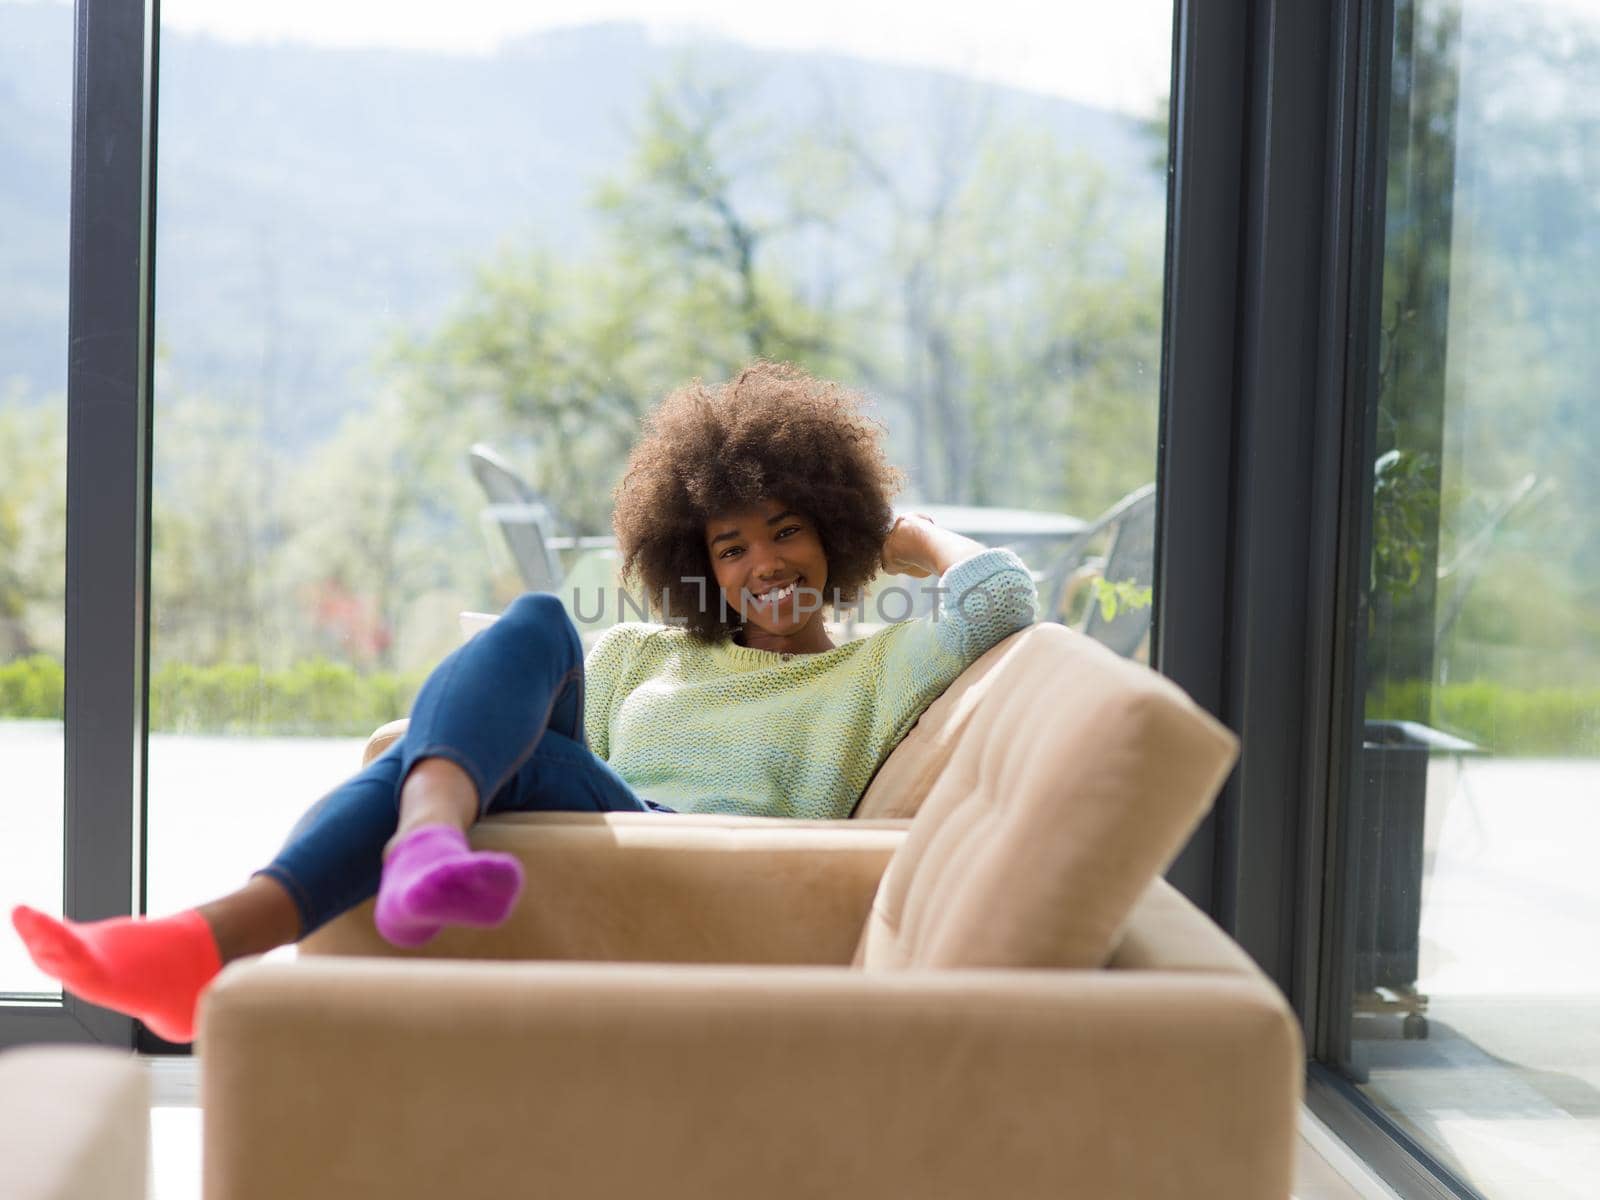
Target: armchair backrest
<point x="1051" y="784"/>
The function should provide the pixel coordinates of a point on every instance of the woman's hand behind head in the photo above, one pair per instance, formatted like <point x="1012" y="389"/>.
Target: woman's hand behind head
<point x="908" y="550"/>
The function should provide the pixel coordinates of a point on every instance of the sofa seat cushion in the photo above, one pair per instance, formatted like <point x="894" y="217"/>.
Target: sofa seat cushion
<point x="659" y="887"/>
<point x="1050" y="790"/>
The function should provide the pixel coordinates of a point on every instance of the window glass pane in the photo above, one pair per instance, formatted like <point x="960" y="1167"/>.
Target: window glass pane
<point x="384" y="241"/>
<point x="35" y="145"/>
<point x="1476" y="975"/>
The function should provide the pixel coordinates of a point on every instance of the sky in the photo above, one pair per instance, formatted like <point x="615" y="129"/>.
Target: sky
<point x="1111" y="55"/>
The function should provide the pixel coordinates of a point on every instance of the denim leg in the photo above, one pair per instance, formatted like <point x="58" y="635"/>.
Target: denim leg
<point x="486" y="708"/>
<point x="333" y="857"/>
<point x="564" y="775"/>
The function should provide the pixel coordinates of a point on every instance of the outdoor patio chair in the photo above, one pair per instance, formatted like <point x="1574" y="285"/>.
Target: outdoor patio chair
<point x="1129" y="527"/>
<point x="525" y="519"/>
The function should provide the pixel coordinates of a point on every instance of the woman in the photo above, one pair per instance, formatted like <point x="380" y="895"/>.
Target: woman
<point x="743" y="508"/>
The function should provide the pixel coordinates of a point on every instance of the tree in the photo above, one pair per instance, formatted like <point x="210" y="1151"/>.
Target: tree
<point x="1415" y="311"/>
<point x="33" y="523"/>
<point x="1487" y="356"/>
<point x="1019" y="310"/>
<point x="380" y="521"/>
<point x="213" y="593"/>
<point x="999" y="294"/>
<point x="561" y="360"/>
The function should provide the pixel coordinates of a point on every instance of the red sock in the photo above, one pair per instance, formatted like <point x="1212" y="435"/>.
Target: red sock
<point x="151" y="969"/>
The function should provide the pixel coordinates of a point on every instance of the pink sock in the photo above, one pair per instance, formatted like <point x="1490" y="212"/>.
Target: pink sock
<point x="154" y="969"/>
<point x="432" y="878"/>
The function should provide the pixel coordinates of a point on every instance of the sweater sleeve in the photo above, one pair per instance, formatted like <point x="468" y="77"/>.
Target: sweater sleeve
<point x="604" y="669"/>
<point x="983" y="599"/>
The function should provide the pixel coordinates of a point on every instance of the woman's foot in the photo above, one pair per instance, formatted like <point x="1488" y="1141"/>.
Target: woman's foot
<point x="433" y="878"/>
<point x="152" y="969"/>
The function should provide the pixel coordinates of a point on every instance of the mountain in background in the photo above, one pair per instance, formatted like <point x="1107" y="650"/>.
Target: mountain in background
<point x="312" y="202"/>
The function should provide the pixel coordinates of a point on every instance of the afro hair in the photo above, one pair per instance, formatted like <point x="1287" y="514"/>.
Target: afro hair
<point x="774" y="432"/>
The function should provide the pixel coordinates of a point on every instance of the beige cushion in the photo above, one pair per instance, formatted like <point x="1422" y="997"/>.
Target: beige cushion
<point x="74" y="1124"/>
<point x="647" y="887"/>
<point x="901" y="783"/>
<point x="1054" y="785"/>
<point x="382" y="738"/>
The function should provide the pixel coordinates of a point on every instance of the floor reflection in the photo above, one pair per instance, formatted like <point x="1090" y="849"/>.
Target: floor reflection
<point x="1506" y="1086"/>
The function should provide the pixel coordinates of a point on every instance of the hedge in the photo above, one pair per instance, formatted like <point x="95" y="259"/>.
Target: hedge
<point x="1542" y="722"/>
<point x="316" y="697"/>
<point x="31" y="687"/>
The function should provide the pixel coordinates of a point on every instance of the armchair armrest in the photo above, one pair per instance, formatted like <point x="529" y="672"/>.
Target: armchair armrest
<point x="382" y="738"/>
<point x="74" y="1121"/>
<point x="337" y="1077"/>
<point x="664" y="888"/>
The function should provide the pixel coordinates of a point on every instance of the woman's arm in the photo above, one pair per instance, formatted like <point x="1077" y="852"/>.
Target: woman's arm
<point x="985" y="594"/>
<point x="919" y="548"/>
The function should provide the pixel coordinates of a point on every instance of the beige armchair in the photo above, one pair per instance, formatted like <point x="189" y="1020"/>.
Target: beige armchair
<point x="995" y="999"/>
<point x="74" y="1124"/>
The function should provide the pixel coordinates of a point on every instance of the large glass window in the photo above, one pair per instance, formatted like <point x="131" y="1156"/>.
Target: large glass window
<point x="382" y="246"/>
<point x="35" y="144"/>
<point x="1475" y="976"/>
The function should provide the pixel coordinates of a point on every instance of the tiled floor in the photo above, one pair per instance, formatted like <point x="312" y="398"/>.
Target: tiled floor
<point x="175" y="1143"/>
<point x="1505" y="1087"/>
<point x="1504" y="1090"/>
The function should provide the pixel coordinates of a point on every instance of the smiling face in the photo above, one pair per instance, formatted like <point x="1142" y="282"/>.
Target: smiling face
<point x="769" y="563"/>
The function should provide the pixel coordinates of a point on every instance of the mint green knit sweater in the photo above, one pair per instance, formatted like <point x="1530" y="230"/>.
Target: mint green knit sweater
<point x="727" y="729"/>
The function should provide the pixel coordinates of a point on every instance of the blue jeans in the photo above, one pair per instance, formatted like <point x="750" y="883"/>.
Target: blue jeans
<point x="507" y="708"/>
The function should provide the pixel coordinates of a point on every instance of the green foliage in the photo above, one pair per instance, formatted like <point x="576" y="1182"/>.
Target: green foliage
<point x="1405" y="502"/>
<point x="994" y="291"/>
<point x="999" y="295"/>
<point x="361" y="548"/>
<point x="1485" y="569"/>
<point x="33" y="520"/>
<point x="1547" y="722"/>
<point x="217" y="522"/>
<point x="315" y="697"/>
<point x="31" y="688"/>
<point x="1123" y="596"/>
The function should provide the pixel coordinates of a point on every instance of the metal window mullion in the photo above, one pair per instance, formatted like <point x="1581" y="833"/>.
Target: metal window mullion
<point x="1326" y="945"/>
<point x="108" y="476"/>
<point x="1273" y="529"/>
<point x="1195" y="443"/>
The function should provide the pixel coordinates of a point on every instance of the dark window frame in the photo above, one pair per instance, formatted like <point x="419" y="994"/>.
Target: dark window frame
<point x="110" y="309"/>
<point x="1279" y="144"/>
